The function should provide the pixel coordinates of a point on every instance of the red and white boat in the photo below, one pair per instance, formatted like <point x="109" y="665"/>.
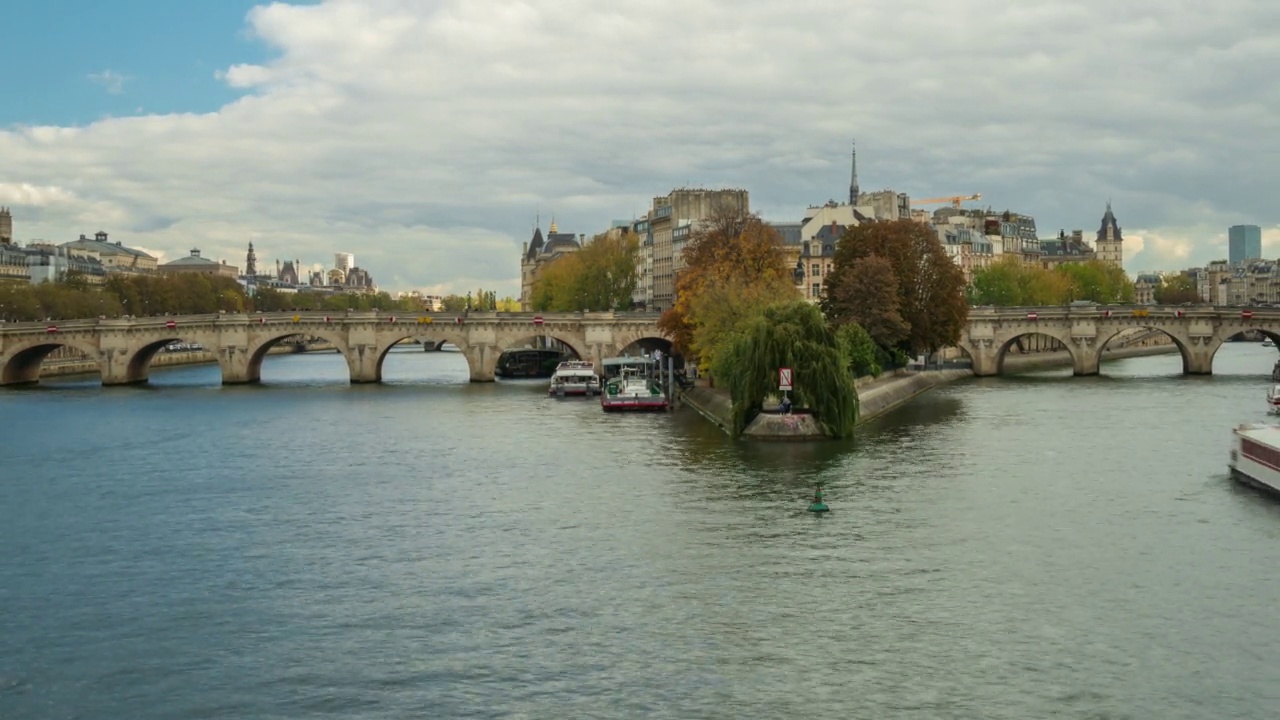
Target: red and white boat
<point x="1255" y="455"/>
<point x="632" y="389"/>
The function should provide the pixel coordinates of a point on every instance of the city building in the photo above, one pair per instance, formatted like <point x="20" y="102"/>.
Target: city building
<point x="1144" y="288"/>
<point x="1064" y="249"/>
<point x="1108" y="246"/>
<point x="344" y="261"/>
<point x="115" y="256"/>
<point x="193" y="264"/>
<point x="535" y="255"/>
<point x="1244" y="243"/>
<point x="6" y="226"/>
<point x="673" y="219"/>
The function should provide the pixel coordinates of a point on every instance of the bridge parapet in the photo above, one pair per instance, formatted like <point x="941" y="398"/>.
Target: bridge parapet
<point x="123" y="347"/>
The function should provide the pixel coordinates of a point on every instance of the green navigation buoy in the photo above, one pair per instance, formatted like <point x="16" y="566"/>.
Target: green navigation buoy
<point x="817" y="506"/>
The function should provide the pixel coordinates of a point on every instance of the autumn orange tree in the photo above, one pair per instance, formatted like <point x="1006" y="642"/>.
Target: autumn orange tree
<point x="895" y="279"/>
<point x="734" y="268"/>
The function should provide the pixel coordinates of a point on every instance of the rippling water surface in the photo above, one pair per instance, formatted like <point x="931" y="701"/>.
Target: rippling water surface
<point x="1030" y="547"/>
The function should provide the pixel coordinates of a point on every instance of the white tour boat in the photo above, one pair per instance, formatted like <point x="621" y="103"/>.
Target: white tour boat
<point x="1273" y="399"/>
<point x="1255" y="455"/>
<point x="574" y="377"/>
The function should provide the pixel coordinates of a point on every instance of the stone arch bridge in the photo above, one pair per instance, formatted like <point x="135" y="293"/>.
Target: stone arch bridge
<point x="1197" y="331"/>
<point x="123" y="348"/>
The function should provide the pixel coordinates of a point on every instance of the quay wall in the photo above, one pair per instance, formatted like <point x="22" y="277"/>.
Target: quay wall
<point x="879" y="395"/>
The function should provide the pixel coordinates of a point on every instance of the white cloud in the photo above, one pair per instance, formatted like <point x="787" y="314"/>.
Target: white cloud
<point x="110" y="80"/>
<point x="424" y="137"/>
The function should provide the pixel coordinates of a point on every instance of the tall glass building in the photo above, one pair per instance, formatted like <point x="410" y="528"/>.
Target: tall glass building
<point x="1244" y="242"/>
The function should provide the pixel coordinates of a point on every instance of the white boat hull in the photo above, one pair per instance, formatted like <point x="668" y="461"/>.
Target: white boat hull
<point x="1255" y="461"/>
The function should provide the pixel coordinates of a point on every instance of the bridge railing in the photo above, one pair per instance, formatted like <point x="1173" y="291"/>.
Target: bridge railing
<point x="162" y="321"/>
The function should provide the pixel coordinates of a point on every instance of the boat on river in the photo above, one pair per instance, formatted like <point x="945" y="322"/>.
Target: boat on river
<point x="1273" y="399"/>
<point x="1255" y="455"/>
<point x="528" y="363"/>
<point x="632" y="389"/>
<point x="574" y="377"/>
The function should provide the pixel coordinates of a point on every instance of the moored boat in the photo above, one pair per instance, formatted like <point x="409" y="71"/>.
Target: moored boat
<point x="1255" y="455"/>
<point x="1273" y="399"/>
<point x="574" y="377"/>
<point x="632" y="389"/>
<point x="528" y="363"/>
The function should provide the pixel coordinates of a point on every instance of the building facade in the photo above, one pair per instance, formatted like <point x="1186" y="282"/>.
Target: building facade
<point x="537" y="253"/>
<point x="1244" y="243"/>
<point x="193" y="264"/>
<point x="115" y="256"/>
<point x="1108" y="246"/>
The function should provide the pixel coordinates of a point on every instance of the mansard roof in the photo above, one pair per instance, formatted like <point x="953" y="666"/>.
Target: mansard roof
<point x="535" y="245"/>
<point x="1109" y="220"/>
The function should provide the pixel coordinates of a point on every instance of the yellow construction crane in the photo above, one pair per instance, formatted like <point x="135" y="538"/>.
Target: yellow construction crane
<point x="955" y="200"/>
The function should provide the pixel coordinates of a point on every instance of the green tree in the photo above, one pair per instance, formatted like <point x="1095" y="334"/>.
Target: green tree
<point x="860" y="351"/>
<point x="930" y="286"/>
<point x="1176" y="290"/>
<point x="794" y="335"/>
<point x="600" y="276"/>
<point x="1096" y="281"/>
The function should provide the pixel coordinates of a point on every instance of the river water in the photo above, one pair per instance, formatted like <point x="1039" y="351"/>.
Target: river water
<point x="1039" y="546"/>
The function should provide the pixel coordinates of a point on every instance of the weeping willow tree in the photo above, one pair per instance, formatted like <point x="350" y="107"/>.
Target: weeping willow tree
<point x="793" y="335"/>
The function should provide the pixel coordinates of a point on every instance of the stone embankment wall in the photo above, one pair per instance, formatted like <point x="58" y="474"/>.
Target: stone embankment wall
<point x="879" y="395"/>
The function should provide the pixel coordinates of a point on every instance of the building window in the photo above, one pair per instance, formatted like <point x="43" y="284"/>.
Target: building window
<point x="815" y="290"/>
<point x="815" y="270"/>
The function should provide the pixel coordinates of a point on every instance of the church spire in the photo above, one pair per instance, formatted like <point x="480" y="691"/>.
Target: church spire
<point x="853" y="178"/>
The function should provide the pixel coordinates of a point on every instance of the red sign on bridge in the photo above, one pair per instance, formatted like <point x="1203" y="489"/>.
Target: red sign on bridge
<point x="171" y="324"/>
<point x="1032" y="316"/>
<point x="537" y="319"/>
<point x="51" y="329"/>
<point x="1246" y="314"/>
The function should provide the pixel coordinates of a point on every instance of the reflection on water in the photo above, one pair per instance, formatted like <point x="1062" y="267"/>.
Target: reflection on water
<point x="1038" y="546"/>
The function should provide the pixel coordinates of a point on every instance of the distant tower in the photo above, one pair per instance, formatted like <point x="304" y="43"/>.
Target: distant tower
<point x="853" y="178"/>
<point x="6" y="226"/>
<point x="1108" y="243"/>
<point x="344" y="261"/>
<point x="1244" y="243"/>
<point x="251" y="262"/>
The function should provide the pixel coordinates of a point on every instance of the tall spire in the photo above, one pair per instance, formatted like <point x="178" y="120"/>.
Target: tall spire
<point x="853" y="179"/>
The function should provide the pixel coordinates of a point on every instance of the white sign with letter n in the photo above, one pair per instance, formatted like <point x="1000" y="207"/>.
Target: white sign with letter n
<point x="784" y="378"/>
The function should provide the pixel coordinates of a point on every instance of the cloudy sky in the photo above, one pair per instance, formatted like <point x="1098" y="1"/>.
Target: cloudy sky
<point x="427" y="136"/>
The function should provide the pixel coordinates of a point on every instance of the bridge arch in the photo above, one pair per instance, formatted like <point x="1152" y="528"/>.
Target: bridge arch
<point x="643" y="339"/>
<point x="1188" y="358"/>
<point x="136" y="367"/>
<point x="1062" y="335"/>
<point x="248" y="369"/>
<point x="387" y="341"/>
<point x="1227" y="332"/>
<point x="22" y="363"/>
